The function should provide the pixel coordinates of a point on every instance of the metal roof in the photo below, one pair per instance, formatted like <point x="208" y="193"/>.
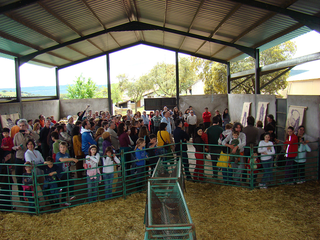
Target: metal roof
<point x="62" y="33"/>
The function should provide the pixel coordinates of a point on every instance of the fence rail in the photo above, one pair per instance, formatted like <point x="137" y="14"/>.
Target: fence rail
<point x="213" y="167"/>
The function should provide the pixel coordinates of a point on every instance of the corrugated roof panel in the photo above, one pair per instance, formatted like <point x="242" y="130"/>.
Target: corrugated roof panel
<point x="287" y="37"/>
<point x="172" y="40"/>
<point x="154" y="10"/>
<point x="51" y="59"/>
<point x="191" y="45"/>
<point x="181" y="14"/>
<point x="6" y="2"/>
<point x="111" y="13"/>
<point x="311" y="7"/>
<point x="211" y="13"/>
<point x="125" y="38"/>
<point x="205" y="34"/>
<point x="282" y="39"/>
<point x="105" y="42"/>
<point x="176" y="27"/>
<point x="86" y="47"/>
<point x="69" y="53"/>
<point x="17" y="48"/>
<point x="267" y="29"/>
<point x="81" y="19"/>
<point x="209" y="49"/>
<point x="227" y="53"/>
<point x="38" y="18"/>
<point x="246" y="16"/>
<point x="22" y="32"/>
<point x="153" y="37"/>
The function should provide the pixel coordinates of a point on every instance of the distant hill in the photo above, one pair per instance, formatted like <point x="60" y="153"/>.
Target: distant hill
<point x="40" y="90"/>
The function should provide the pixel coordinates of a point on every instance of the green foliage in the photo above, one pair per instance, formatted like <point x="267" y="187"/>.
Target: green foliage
<point x="134" y="88"/>
<point x="81" y="88"/>
<point x="163" y="77"/>
<point x="214" y="74"/>
<point x="116" y="93"/>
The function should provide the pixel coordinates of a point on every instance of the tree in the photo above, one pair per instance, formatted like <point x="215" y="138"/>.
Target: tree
<point x="163" y="77"/>
<point x="81" y="88"/>
<point x="134" y="88"/>
<point x="116" y="93"/>
<point x="214" y="74"/>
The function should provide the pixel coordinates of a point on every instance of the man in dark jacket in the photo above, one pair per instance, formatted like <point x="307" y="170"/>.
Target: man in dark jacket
<point x="180" y="135"/>
<point x="45" y="148"/>
<point x="214" y="133"/>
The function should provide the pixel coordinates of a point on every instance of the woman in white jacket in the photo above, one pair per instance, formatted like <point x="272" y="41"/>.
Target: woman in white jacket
<point x="267" y="151"/>
<point x="108" y="169"/>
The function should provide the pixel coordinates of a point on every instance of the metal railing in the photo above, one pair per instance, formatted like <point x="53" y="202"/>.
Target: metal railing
<point x="128" y="178"/>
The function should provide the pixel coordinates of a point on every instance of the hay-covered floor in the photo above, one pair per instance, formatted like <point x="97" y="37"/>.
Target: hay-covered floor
<point x="219" y="212"/>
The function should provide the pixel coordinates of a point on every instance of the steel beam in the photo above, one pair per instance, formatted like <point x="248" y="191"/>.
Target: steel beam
<point x="247" y="78"/>
<point x="18" y="84"/>
<point x="257" y="73"/>
<point x="109" y="84"/>
<point x="147" y="44"/>
<point x="137" y="26"/>
<point x="16" y="5"/>
<point x="278" y="66"/>
<point x="177" y="78"/>
<point x="275" y="78"/>
<point x="308" y="20"/>
<point x="57" y="83"/>
<point x="228" y="78"/>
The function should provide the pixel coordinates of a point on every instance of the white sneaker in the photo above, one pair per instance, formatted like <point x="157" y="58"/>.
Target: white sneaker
<point x="65" y="204"/>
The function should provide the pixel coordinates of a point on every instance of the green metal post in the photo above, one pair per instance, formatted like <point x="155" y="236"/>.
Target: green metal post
<point x="318" y="159"/>
<point x="251" y="168"/>
<point x="35" y="187"/>
<point x="122" y="157"/>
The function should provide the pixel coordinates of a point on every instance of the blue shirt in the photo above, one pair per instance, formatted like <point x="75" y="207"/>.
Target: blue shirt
<point x="168" y="122"/>
<point x="141" y="154"/>
<point x="64" y="166"/>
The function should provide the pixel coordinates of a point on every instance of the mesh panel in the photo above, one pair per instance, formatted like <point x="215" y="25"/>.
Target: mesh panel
<point x="168" y="210"/>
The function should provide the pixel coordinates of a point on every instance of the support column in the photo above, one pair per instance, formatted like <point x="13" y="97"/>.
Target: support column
<point x="177" y="78"/>
<point x="228" y="78"/>
<point x="257" y="72"/>
<point x="109" y="84"/>
<point x="18" y="84"/>
<point x="57" y="83"/>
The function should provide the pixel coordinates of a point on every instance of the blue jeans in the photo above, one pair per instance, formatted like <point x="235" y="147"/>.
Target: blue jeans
<point x="185" y="163"/>
<point x="227" y="174"/>
<point x="28" y="194"/>
<point x="139" y="176"/>
<point x="92" y="188"/>
<point x="107" y="182"/>
<point x="267" y="171"/>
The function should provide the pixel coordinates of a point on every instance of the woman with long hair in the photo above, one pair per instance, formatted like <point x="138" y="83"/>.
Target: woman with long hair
<point x="125" y="142"/>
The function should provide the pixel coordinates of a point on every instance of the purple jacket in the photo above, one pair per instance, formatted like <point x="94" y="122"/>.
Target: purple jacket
<point x="105" y="144"/>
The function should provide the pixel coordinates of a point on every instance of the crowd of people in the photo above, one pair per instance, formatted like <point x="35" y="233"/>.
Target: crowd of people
<point x="52" y="147"/>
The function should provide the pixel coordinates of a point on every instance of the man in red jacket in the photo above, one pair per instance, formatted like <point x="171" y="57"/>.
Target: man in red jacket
<point x="291" y="152"/>
<point x="206" y="115"/>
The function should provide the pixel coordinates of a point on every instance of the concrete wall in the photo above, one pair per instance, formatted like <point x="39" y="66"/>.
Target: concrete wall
<point x="235" y="102"/>
<point x="32" y="109"/>
<point x="312" y="113"/>
<point x="199" y="102"/>
<point x="72" y="106"/>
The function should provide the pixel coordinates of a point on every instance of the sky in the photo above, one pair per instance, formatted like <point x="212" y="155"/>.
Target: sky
<point x="134" y="62"/>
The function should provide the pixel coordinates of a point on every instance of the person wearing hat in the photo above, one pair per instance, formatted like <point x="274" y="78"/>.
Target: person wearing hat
<point x="70" y="125"/>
